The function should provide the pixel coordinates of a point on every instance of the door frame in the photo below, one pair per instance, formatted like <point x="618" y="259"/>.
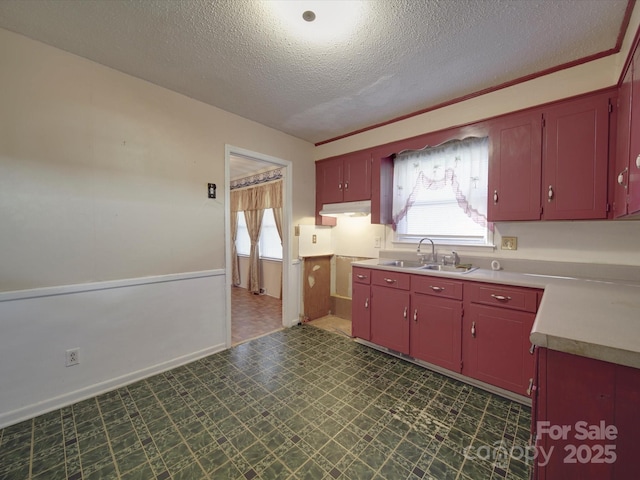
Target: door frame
<point x="290" y="314"/>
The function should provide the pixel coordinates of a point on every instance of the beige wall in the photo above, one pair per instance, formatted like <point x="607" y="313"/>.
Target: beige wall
<point x="270" y="275"/>
<point x="103" y="176"/>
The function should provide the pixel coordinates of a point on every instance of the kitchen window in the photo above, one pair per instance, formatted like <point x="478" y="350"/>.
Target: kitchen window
<point x="441" y="192"/>
<point x="269" y="244"/>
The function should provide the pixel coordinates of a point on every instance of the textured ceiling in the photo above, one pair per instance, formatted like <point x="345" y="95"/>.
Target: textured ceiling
<point x="399" y="56"/>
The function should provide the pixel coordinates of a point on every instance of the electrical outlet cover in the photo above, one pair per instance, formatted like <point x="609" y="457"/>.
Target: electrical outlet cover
<point x="72" y="357"/>
<point x="509" y="243"/>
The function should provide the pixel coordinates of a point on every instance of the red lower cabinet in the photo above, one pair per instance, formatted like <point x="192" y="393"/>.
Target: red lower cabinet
<point x="390" y="318"/>
<point x="436" y="330"/>
<point x="497" y="347"/>
<point x="495" y="336"/>
<point x="360" y="311"/>
<point x="586" y="419"/>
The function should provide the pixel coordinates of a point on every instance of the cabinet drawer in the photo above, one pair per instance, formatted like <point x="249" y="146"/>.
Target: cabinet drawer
<point x="361" y="275"/>
<point x="438" y="286"/>
<point x="401" y="281"/>
<point x="525" y="299"/>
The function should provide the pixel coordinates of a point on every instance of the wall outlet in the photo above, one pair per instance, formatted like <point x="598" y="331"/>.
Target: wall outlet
<point x="509" y="243"/>
<point x="314" y="238"/>
<point x="377" y="242"/>
<point x="296" y="230"/>
<point x="72" y="357"/>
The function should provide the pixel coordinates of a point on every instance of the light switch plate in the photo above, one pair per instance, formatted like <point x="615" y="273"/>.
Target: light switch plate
<point x="509" y="243"/>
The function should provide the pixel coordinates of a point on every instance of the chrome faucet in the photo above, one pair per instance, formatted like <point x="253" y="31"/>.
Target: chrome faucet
<point x="453" y="258"/>
<point x="433" y="256"/>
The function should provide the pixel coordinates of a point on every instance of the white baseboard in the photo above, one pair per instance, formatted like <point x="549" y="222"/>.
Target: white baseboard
<point x="125" y="330"/>
<point x="50" y="404"/>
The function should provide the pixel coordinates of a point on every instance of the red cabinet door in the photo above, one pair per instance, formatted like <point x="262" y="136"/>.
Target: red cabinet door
<point x="633" y="199"/>
<point x="496" y="347"/>
<point x="435" y="331"/>
<point x="620" y="171"/>
<point x="575" y="389"/>
<point x="360" y="311"/>
<point x="357" y="177"/>
<point x="627" y="421"/>
<point x="515" y="168"/>
<point x="320" y="220"/>
<point x="576" y="146"/>
<point x="330" y="180"/>
<point x="390" y="318"/>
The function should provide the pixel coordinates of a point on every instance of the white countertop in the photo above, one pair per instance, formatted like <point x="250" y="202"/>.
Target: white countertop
<point x="591" y="318"/>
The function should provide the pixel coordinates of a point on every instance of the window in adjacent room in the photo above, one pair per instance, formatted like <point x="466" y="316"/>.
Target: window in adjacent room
<point x="441" y="192"/>
<point x="270" y="246"/>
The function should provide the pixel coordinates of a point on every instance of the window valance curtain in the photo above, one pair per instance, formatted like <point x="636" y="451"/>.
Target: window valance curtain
<point x="458" y="169"/>
<point x="267" y="195"/>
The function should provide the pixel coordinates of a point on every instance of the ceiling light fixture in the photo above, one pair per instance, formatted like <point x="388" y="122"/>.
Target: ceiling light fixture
<point x="318" y="21"/>
<point x="308" y="16"/>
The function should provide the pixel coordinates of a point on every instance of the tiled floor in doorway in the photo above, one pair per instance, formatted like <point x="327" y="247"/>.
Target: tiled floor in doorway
<point x="298" y="403"/>
<point x="253" y="315"/>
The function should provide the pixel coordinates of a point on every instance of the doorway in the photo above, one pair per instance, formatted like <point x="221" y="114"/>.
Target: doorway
<point x="254" y="314"/>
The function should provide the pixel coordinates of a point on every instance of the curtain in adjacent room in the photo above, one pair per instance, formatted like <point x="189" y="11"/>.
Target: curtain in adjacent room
<point x="235" y="269"/>
<point x="253" y="201"/>
<point x="254" y="222"/>
<point x="277" y="216"/>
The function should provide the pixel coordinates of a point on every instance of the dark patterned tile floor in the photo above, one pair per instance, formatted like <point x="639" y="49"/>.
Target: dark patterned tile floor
<point x="298" y="403"/>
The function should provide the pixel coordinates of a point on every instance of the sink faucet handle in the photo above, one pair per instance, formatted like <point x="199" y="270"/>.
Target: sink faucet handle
<point x="456" y="258"/>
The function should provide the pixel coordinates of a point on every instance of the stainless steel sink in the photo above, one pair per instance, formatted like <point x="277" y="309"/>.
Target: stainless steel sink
<point x="437" y="267"/>
<point x="450" y="268"/>
<point x="401" y="263"/>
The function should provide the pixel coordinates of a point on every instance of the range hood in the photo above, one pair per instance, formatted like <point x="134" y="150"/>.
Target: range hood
<point x="349" y="209"/>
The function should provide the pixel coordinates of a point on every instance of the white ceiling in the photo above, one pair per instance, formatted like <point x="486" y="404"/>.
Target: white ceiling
<point x="398" y="57"/>
<point x="242" y="167"/>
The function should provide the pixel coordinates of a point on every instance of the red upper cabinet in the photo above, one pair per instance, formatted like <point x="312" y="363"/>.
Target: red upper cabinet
<point x="515" y="163"/>
<point x="633" y="198"/>
<point x="627" y="173"/>
<point x="575" y="153"/>
<point x="620" y="171"/>
<point x="346" y="178"/>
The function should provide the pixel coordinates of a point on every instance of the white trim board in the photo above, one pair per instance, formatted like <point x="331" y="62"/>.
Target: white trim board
<point x="126" y="330"/>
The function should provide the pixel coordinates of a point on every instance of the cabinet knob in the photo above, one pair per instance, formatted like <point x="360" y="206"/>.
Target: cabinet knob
<point x="532" y="349"/>
<point x="415" y="315"/>
<point x="473" y="329"/>
<point x="495" y="197"/>
<point x="405" y="312"/>
<point x="621" y="177"/>
<point x="366" y="303"/>
<point x="638" y="161"/>
<point x="530" y="387"/>
<point x="436" y="289"/>
<point x="346" y="185"/>
<point x="550" y="193"/>
<point x="361" y="277"/>
<point x="390" y="280"/>
<point x="339" y="186"/>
